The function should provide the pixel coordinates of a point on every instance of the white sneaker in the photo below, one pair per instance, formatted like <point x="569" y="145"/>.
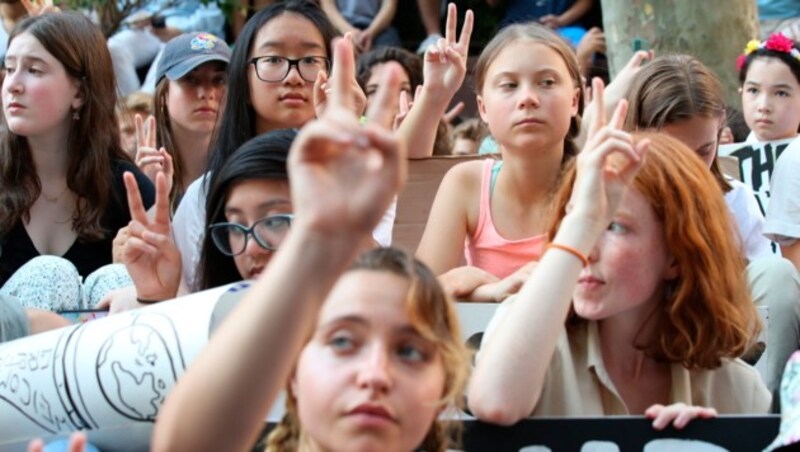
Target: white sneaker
<point x="431" y="39"/>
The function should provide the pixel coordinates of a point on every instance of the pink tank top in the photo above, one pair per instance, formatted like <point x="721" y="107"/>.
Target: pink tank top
<point x="486" y="249"/>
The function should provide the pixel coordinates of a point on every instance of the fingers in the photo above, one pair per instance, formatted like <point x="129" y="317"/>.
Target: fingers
<point x="150" y="131"/>
<point x="140" y="132"/>
<point x="382" y="109"/>
<point x="599" y="118"/>
<point x="36" y="445"/>
<point x="618" y="118"/>
<point x="135" y="204"/>
<point x="162" y="200"/>
<point x="453" y="113"/>
<point x="320" y="96"/>
<point x="342" y="73"/>
<point x="679" y="414"/>
<point x="450" y="27"/>
<point x="466" y="32"/>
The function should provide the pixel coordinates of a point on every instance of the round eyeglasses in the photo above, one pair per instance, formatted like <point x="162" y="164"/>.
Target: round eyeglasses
<point x="269" y="232"/>
<point x="273" y="68"/>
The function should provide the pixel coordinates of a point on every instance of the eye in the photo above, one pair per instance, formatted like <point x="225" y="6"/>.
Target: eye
<point x="549" y="82"/>
<point x="220" y="80"/>
<point x="272" y="59"/>
<point x="34" y="70"/>
<point x="411" y="352"/>
<point x="617" y="228"/>
<point x="342" y="342"/>
<point x="10" y="69"/>
<point x="751" y="90"/>
<point x="507" y="85"/>
<point x="782" y="93"/>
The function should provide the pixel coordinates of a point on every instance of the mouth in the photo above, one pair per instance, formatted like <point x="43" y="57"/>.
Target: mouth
<point x="206" y="110"/>
<point x="255" y="272"/>
<point x="371" y="413"/>
<point x="527" y="121"/>
<point x="763" y="121"/>
<point x="14" y="105"/>
<point x="590" y="281"/>
<point x="295" y="97"/>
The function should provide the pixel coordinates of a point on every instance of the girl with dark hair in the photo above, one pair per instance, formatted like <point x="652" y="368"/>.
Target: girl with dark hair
<point x="61" y="163"/>
<point x="250" y="211"/>
<point x="279" y="55"/>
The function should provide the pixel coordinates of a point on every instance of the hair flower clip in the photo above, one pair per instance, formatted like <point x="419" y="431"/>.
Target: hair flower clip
<point x="777" y="42"/>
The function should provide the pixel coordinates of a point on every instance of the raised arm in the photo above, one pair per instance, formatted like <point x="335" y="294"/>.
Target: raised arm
<point x="336" y="18"/>
<point x="343" y="178"/>
<point x="445" y="66"/>
<point x="510" y="374"/>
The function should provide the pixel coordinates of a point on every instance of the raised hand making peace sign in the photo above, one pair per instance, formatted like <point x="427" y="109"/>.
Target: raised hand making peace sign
<point x="149" y="159"/>
<point x="344" y="174"/>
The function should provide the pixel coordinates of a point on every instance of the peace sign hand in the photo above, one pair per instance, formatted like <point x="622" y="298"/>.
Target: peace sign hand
<point x="150" y="254"/>
<point x="39" y="7"/>
<point x="607" y="164"/>
<point x="445" y="63"/>
<point x="322" y="86"/>
<point x="343" y="174"/>
<point x="149" y="159"/>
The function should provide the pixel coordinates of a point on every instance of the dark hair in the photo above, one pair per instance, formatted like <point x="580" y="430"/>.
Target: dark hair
<point x="785" y="57"/>
<point x="238" y="120"/>
<point x="410" y="62"/>
<point x="675" y="88"/>
<point x="263" y="157"/>
<point x="734" y="118"/>
<point x="93" y="143"/>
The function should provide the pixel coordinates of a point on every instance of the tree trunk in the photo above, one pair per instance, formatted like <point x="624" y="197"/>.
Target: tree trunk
<point x="714" y="31"/>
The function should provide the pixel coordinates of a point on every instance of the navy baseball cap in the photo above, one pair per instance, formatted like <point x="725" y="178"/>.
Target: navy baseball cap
<point x="185" y="52"/>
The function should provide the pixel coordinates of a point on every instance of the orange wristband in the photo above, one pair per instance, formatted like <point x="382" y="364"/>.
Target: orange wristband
<point x="584" y="260"/>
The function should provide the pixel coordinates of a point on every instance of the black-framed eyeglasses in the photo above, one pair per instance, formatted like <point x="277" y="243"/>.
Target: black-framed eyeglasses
<point x="273" y="68"/>
<point x="268" y="232"/>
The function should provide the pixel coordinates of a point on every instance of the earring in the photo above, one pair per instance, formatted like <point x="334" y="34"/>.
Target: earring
<point x="75" y="115"/>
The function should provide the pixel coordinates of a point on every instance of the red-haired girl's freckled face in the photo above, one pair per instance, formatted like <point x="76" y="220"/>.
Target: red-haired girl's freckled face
<point x="628" y="267"/>
<point x="367" y="380"/>
<point x="771" y="99"/>
<point x="288" y="103"/>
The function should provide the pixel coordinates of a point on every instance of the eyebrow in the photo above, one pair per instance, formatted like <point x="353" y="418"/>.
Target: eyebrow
<point x="357" y="319"/>
<point x="779" y="85"/>
<point x="35" y="59"/>
<point x="279" y="44"/>
<point x="262" y="206"/>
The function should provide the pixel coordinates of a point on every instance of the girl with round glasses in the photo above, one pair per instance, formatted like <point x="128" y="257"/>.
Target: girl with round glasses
<point x="250" y="211"/>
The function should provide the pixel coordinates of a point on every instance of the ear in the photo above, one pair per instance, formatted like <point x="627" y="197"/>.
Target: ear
<point x="482" y="109"/>
<point x="672" y="271"/>
<point x="80" y="95"/>
<point x="576" y="101"/>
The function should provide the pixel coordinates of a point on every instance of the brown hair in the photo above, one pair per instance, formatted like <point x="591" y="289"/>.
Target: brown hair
<point x="93" y="143"/>
<point x="675" y="88"/>
<point x="433" y="315"/>
<point x="164" y="138"/>
<point x="707" y="314"/>
<point x="542" y="35"/>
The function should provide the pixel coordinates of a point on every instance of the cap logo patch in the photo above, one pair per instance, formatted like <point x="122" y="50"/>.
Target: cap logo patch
<point x="204" y="42"/>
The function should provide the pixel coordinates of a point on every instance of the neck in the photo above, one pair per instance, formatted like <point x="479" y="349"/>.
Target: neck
<point x="531" y="178"/>
<point x="192" y="148"/>
<point x="621" y="338"/>
<point x="50" y="156"/>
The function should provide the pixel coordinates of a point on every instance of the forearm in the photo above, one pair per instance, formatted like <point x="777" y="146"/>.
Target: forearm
<point x="336" y="18"/>
<point x="384" y="17"/>
<point x="575" y="12"/>
<point x="419" y="126"/>
<point x="220" y="403"/>
<point x="792" y="252"/>
<point x="509" y="377"/>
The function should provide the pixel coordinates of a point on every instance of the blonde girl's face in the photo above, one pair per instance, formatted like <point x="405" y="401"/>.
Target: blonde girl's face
<point x="288" y="103"/>
<point x="528" y="97"/>
<point x="367" y="379"/>
<point x="771" y="99"/>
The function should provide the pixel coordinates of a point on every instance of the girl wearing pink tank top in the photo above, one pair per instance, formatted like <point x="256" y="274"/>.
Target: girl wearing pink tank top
<point x="531" y="106"/>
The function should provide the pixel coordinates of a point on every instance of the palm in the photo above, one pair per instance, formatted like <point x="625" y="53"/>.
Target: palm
<point x="446" y="63"/>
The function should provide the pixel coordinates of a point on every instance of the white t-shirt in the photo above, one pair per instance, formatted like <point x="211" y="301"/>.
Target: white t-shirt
<point x="188" y="228"/>
<point x="744" y="207"/>
<point x="783" y="213"/>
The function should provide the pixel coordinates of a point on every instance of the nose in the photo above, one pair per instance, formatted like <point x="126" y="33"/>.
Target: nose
<point x="594" y="255"/>
<point x="293" y="77"/>
<point x="253" y="249"/>
<point x="375" y="372"/>
<point x="529" y="98"/>
<point x="11" y="83"/>
<point x="762" y="102"/>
